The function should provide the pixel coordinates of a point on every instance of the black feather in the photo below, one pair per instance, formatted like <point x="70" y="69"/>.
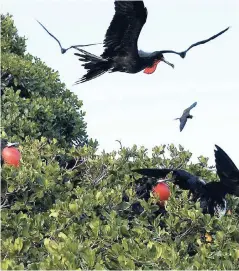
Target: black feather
<point x="125" y="27"/>
<point x="227" y="171"/>
<point x="183" y="54"/>
<point x="63" y="50"/>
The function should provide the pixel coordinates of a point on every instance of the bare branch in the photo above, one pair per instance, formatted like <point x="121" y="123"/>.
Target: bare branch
<point x="121" y="147"/>
<point x="101" y="176"/>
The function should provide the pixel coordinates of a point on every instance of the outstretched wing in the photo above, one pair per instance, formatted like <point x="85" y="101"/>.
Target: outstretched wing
<point x="182" y="178"/>
<point x="207" y="40"/>
<point x="183" y="54"/>
<point x="63" y="50"/>
<point x="153" y="172"/>
<point x="125" y="27"/>
<point x="227" y="171"/>
<point x="183" y="121"/>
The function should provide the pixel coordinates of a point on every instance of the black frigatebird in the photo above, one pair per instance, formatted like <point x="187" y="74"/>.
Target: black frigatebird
<point x="212" y="194"/>
<point x="63" y="50"/>
<point x="4" y="143"/>
<point x="185" y="116"/>
<point x="121" y="52"/>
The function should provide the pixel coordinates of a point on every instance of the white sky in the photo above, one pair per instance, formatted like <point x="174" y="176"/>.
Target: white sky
<point x="139" y="109"/>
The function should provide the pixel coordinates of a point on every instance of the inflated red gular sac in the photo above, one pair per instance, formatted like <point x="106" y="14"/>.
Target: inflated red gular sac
<point x="9" y="154"/>
<point x="150" y="70"/>
<point x="144" y="187"/>
<point x="162" y="191"/>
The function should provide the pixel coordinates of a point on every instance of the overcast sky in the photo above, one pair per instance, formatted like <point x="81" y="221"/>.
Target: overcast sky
<point x="139" y="109"/>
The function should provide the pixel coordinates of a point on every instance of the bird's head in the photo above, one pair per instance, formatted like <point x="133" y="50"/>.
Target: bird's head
<point x="166" y="180"/>
<point x="5" y="143"/>
<point x="14" y="144"/>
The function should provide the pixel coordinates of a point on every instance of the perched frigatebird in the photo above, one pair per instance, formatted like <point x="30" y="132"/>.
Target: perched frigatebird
<point x="63" y="50"/>
<point x="4" y="143"/>
<point x="212" y="194"/>
<point x="185" y="116"/>
<point x="121" y="52"/>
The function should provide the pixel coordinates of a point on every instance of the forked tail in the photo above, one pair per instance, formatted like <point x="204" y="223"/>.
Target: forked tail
<point x="94" y="65"/>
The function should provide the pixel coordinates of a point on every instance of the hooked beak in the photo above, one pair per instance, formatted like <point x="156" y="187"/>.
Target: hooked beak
<point x="165" y="180"/>
<point x="170" y="64"/>
<point x="15" y="144"/>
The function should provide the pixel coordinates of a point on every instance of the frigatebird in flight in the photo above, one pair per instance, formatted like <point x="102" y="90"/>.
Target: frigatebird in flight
<point x="211" y="194"/>
<point x="121" y="52"/>
<point x="185" y="116"/>
<point x="63" y="50"/>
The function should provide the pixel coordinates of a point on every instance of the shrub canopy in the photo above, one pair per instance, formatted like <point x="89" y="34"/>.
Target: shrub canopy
<point x="34" y="101"/>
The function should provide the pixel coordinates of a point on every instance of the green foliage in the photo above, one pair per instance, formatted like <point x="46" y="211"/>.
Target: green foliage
<point x="10" y="41"/>
<point x="62" y="209"/>
<point x="70" y="218"/>
<point x="34" y="101"/>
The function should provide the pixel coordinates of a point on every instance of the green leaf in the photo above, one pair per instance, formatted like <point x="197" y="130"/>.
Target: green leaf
<point x="73" y="207"/>
<point x="54" y="213"/>
<point x="11" y="188"/>
<point x="62" y="235"/>
<point x="18" y="244"/>
<point x="5" y="264"/>
<point x="125" y="244"/>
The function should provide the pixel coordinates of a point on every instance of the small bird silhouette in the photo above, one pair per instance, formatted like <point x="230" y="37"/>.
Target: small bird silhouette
<point x="185" y="116"/>
<point x="212" y="194"/>
<point x="63" y="50"/>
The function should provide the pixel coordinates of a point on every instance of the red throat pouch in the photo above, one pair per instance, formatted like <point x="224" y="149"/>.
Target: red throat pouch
<point x="150" y="70"/>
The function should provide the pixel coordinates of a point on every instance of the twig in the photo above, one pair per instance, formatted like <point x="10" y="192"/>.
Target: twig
<point x="100" y="177"/>
<point x="121" y="147"/>
<point x="186" y="232"/>
<point x="3" y="205"/>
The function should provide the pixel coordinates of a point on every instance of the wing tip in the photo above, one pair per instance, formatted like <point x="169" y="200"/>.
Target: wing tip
<point x="40" y="24"/>
<point x="226" y="29"/>
<point x="218" y="149"/>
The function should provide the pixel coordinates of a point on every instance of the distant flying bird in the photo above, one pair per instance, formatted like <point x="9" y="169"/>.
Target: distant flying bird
<point x="121" y="52"/>
<point x="212" y="194"/>
<point x="63" y="50"/>
<point x="185" y="116"/>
